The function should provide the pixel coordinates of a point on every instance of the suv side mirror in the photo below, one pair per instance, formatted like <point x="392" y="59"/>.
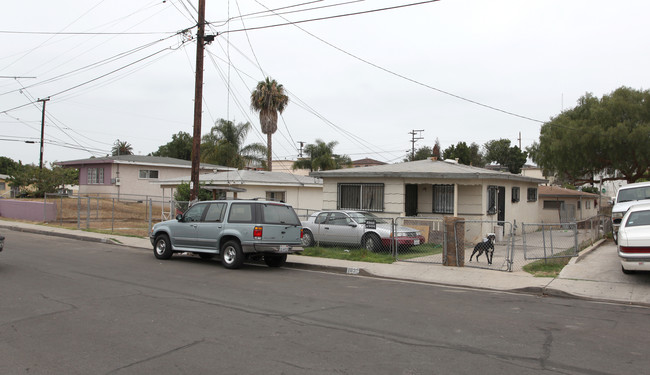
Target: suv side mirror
<point x="179" y="217"/>
<point x="352" y="224"/>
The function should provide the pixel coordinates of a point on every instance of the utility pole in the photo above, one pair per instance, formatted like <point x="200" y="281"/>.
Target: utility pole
<point x="415" y="139"/>
<point x="198" y="101"/>
<point x="40" y="164"/>
<point x="519" y="141"/>
<point x="301" y="145"/>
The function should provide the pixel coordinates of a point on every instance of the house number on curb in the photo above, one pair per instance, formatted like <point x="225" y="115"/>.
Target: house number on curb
<point x="353" y="271"/>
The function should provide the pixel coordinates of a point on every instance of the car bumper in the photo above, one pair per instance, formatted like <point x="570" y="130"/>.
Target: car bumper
<point x="275" y="249"/>
<point x="636" y="264"/>
<point x="403" y="241"/>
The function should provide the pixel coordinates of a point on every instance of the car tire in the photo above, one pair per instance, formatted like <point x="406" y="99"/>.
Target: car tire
<point x="372" y="242"/>
<point x="206" y="256"/>
<point x="275" y="260"/>
<point x="615" y="236"/>
<point x="162" y="247"/>
<point x="232" y="255"/>
<point x="627" y="272"/>
<point x="307" y="238"/>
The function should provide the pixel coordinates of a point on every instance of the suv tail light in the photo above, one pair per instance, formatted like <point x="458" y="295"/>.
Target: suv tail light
<point x="257" y="232"/>
<point x="301" y="233"/>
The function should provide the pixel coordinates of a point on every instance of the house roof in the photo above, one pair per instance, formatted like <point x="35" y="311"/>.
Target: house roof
<point x="140" y="160"/>
<point x="556" y="191"/>
<point x="367" y="161"/>
<point x="428" y="168"/>
<point x="248" y="177"/>
<point x="4" y="176"/>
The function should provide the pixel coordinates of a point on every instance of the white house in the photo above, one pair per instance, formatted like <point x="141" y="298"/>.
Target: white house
<point x="560" y="205"/>
<point x="302" y="192"/>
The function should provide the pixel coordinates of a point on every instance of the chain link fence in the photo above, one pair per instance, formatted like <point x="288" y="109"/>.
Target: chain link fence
<point x="427" y="244"/>
<point x="485" y="243"/>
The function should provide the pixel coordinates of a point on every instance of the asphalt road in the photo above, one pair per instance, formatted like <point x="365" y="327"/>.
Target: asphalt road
<point x="75" y="307"/>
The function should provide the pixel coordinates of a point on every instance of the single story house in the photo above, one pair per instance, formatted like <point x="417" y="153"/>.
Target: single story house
<point x="5" y="189"/>
<point x="560" y="205"/>
<point x="304" y="193"/>
<point x="433" y="188"/>
<point x="127" y="175"/>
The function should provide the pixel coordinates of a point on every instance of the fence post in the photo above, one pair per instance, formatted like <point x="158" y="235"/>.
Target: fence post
<point x="61" y="205"/>
<point x="78" y="211"/>
<point x="44" y="206"/>
<point x="455" y="250"/>
<point x="88" y="212"/>
<point x="150" y="208"/>
<point x="113" y="216"/>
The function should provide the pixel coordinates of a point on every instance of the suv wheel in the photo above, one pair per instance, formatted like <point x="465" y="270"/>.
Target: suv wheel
<point x="162" y="248"/>
<point x="273" y="260"/>
<point x="231" y="255"/>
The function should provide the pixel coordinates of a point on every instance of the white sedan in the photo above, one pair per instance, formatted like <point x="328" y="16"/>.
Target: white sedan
<point x="634" y="239"/>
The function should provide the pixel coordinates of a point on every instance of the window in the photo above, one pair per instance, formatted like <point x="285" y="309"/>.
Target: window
<point x="339" y="218"/>
<point x="515" y="194"/>
<point x="492" y="200"/>
<point x="443" y="199"/>
<point x="215" y="212"/>
<point x="579" y="204"/>
<point x="532" y="194"/>
<point x="278" y="214"/>
<point x="148" y="173"/>
<point x="3" y="186"/>
<point x="241" y="213"/>
<point x="587" y="204"/>
<point x="553" y="205"/>
<point x="368" y="197"/>
<point x="95" y="176"/>
<point x="194" y="213"/>
<point x="277" y="196"/>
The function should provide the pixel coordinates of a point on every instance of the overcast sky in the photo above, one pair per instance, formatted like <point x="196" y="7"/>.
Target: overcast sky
<point x="460" y="70"/>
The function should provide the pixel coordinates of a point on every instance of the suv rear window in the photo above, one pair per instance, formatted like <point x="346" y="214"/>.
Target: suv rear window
<point x="241" y="213"/>
<point x="278" y="214"/>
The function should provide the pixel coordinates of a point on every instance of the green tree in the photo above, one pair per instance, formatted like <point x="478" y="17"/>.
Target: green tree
<point x="180" y="147"/>
<point x="269" y="99"/>
<point x="468" y="155"/>
<point x="510" y="157"/>
<point x="321" y="157"/>
<point x="598" y="136"/>
<point x="7" y="165"/>
<point x="35" y="182"/>
<point x="421" y="153"/>
<point x="224" y="145"/>
<point x="182" y="194"/>
<point x="121" y="148"/>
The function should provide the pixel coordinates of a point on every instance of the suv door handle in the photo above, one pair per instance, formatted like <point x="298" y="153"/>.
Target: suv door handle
<point x="194" y="226"/>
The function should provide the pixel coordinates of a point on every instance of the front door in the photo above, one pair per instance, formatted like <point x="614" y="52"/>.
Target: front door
<point x="501" y="205"/>
<point x="411" y="200"/>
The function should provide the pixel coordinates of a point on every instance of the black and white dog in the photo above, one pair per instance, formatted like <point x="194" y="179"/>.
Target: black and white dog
<point x="487" y="246"/>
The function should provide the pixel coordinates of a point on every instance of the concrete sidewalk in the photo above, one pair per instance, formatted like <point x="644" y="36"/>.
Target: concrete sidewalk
<point x="594" y="275"/>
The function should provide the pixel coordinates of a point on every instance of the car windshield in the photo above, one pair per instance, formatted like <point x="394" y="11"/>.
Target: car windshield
<point x="362" y="217"/>
<point x="634" y="194"/>
<point x="638" y="218"/>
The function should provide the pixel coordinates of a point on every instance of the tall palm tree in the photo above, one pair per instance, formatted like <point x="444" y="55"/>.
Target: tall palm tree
<point x="121" y="148"/>
<point x="268" y="99"/>
<point x="224" y="145"/>
<point x="322" y="157"/>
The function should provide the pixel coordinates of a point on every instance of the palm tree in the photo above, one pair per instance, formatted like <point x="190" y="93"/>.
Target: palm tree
<point x="224" y="145"/>
<point x="322" y="157"/>
<point x="121" y="148"/>
<point x="268" y="99"/>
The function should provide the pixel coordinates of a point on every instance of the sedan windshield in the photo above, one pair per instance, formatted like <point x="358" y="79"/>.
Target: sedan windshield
<point x="361" y="217"/>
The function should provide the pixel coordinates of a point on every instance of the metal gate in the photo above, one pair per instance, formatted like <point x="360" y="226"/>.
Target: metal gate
<point x="475" y="236"/>
<point x="419" y="239"/>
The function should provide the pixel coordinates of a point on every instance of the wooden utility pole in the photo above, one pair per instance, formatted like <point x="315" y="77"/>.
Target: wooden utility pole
<point x="40" y="164"/>
<point x="198" y="102"/>
<point x="414" y="139"/>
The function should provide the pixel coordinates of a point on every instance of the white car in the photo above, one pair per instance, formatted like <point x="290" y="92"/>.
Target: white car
<point x="634" y="239"/>
<point x="628" y="196"/>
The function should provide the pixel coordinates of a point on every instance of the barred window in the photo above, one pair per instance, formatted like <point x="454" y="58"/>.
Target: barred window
<point x="443" y="199"/>
<point x="278" y="196"/>
<point x="492" y="200"/>
<point x="532" y="194"/>
<point x="147" y="173"/>
<point x="369" y="197"/>
<point x="515" y="194"/>
<point x="553" y="205"/>
<point x="95" y="176"/>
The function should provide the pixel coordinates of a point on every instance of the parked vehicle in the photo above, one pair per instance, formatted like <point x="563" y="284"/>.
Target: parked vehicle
<point x="357" y="228"/>
<point x="634" y="239"/>
<point x="234" y="229"/>
<point x="2" y="242"/>
<point x="626" y="197"/>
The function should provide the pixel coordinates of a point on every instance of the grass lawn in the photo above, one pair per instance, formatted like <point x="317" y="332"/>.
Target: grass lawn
<point x="546" y="268"/>
<point x="363" y="255"/>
